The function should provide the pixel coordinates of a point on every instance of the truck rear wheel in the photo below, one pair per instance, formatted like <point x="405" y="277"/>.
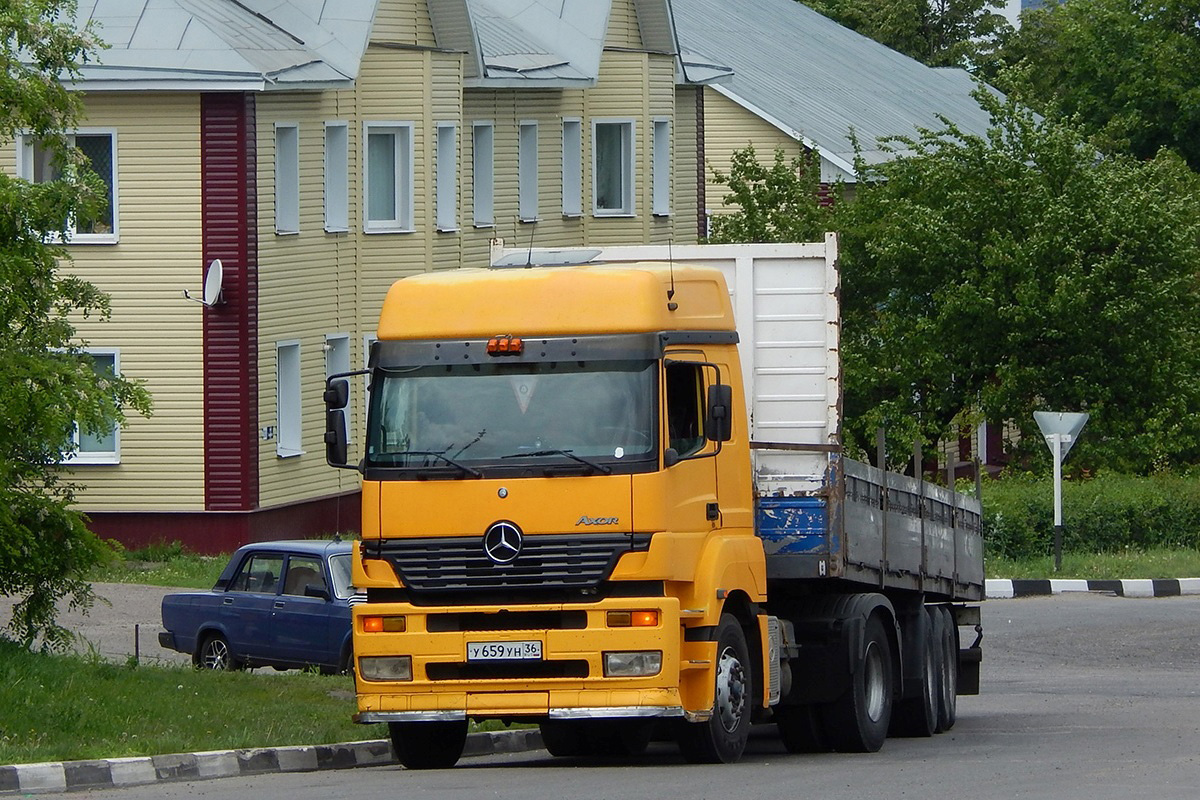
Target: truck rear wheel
<point x="918" y="716"/>
<point x="948" y="685"/>
<point x="428" y="745"/>
<point x="722" y="738"/>
<point x="857" y="722"/>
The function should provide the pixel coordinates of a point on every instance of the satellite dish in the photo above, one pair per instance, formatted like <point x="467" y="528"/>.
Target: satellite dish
<point x="214" y="278"/>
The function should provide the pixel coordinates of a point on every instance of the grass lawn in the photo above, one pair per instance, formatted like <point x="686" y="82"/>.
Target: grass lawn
<point x="1156" y="563"/>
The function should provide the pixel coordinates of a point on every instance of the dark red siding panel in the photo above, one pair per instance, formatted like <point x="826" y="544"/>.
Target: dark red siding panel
<point x="230" y="222"/>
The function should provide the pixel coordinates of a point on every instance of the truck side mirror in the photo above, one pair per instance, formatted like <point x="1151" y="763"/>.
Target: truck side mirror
<point x="337" y="394"/>
<point x="336" y="446"/>
<point x="718" y="424"/>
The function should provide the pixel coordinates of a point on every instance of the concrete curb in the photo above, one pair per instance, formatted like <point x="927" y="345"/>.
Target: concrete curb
<point x="1173" y="587"/>
<point x="109" y="773"/>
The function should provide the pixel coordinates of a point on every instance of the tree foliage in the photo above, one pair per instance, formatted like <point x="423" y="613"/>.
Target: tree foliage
<point x="986" y="277"/>
<point x="780" y="202"/>
<point x="940" y="33"/>
<point x="995" y="276"/>
<point x="48" y="385"/>
<point x="1127" y="70"/>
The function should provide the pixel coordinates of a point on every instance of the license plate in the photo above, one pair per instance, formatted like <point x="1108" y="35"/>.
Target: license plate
<point x="504" y="651"/>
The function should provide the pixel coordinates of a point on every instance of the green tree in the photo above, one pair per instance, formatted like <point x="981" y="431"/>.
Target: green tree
<point x="780" y="202"/>
<point x="48" y="385"/>
<point x="940" y="33"/>
<point x="1127" y="70"/>
<point x="994" y="276"/>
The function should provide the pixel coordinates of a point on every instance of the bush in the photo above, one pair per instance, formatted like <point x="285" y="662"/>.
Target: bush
<point x="1104" y="514"/>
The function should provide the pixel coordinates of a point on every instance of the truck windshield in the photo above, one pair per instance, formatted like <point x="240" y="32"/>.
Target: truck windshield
<point x="462" y="419"/>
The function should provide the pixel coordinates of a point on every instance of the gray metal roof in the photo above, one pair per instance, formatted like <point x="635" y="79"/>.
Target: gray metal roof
<point x="816" y="80"/>
<point x="227" y="44"/>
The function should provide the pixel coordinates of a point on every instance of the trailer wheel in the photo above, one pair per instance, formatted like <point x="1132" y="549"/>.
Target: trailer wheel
<point x="918" y="716"/>
<point x="858" y="720"/>
<point x="722" y="738"/>
<point x="800" y="729"/>
<point x="948" y="685"/>
<point x="428" y="745"/>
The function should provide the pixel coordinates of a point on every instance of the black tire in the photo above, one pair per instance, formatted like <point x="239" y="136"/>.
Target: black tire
<point x="918" y="716"/>
<point x="214" y="653"/>
<point x="428" y="745"/>
<point x="948" y="685"/>
<point x="800" y="729"/>
<point x="563" y="738"/>
<point x="857" y="722"/>
<point x="346" y="662"/>
<point x="722" y="738"/>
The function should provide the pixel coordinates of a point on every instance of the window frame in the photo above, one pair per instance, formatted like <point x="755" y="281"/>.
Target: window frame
<point x="660" y="166"/>
<point x="572" y="167"/>
<point x="287" y="178"/>
<point x="112" y="457"/>
<point x="446" y="176"/>
<point x="483" y="174"/>
<point x="403" y="166"/>
<point x="25" y="165"/>
<point x="627" y="167"/>
<point x="289" y="408"/>
<point x="527" y="170"/>
<point x="337" y="178"/>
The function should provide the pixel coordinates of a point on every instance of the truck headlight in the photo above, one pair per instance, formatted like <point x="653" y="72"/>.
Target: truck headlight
<point x="638" y="663"/>
<point x="385" y="668"/>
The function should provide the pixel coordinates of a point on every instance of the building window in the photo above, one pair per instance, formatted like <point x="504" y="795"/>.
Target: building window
<point x="447" y="177"/>
<point x="661" y="168"/>
<point x="37" y="164"/>
<point x="337" y="177"/>
<point x="337" y="361"/>
<point x="483" y="175"/>
<point x="612" y="168"/>
<point x="287" y="177"/>
<point x="527" y="172"/>
<point x="287" y="374"/>
<point x="104" y="446"/>
<point x="388" y="182"/>
<point x="572" y="168"/>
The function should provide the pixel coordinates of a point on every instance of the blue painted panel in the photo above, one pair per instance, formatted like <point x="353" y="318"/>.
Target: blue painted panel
<point x="792" y="524"/>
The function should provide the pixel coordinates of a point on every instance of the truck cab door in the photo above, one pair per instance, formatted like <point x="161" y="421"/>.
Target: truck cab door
<point x="688" y="456"/>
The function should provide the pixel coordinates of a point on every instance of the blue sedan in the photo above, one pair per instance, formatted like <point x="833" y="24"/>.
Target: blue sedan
<point x="277" y="604"/>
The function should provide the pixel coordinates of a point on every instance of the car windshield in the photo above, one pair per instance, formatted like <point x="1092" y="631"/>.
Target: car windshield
<point x="339" y="568"/>
<point x="598" y="413"/>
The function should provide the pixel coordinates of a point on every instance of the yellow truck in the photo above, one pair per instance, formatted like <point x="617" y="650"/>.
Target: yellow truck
<point x="594" y="502"/>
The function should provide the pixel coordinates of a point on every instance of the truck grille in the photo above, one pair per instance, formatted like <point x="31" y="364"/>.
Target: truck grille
<point x="545" y="562"/>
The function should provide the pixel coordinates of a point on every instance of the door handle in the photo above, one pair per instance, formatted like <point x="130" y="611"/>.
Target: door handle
<point x="228" y="601"/>
<point x="279" y="604"/>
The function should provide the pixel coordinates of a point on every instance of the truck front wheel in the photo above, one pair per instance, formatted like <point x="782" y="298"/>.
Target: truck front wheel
<point x="428" y="745"/>
<point x="857" y="721"/>
<point x="722" y="738"/>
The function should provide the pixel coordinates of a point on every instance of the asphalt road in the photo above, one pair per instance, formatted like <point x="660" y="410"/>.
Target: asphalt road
<point x="1085" y="696"/>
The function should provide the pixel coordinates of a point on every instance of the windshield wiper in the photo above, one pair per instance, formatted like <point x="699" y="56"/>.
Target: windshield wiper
<point x="586" y="462"/>
<point x="469" y="470"/>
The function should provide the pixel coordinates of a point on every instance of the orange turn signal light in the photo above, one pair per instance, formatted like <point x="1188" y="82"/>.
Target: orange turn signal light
<point x="506" y="345"/>
<point x="384" y="624"/>
<point x="632" y="619"/>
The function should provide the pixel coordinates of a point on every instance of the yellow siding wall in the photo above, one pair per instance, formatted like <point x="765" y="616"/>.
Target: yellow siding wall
<point x="403" y="22"/>
<point x="729" y="127"/>
<point x="623" y="31"/>
<point x="157" y="332"/>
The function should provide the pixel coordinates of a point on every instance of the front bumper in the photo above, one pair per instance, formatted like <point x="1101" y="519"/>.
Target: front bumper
<point x="568" y="682"/>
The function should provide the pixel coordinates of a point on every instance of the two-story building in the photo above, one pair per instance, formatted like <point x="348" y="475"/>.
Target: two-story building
<point x="319" y="151"/>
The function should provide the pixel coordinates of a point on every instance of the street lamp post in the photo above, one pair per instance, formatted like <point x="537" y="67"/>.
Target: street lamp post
<point x="1060" y="429"/>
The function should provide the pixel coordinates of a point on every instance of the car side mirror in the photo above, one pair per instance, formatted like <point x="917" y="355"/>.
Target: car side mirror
<point x="337" y="394"/>
<point x="313" y="590"/>
<point x="718" y="423"/>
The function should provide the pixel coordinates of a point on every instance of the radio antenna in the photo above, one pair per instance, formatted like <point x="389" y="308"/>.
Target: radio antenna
<point x="529" y="257"/>
<point x="671" y="305"/>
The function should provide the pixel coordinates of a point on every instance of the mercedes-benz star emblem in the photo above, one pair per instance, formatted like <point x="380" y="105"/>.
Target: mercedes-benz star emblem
<point x="502" y="542"/>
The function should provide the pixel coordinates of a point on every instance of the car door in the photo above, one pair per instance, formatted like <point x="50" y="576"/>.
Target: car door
<point x="302" y="625"/>
<point x="247" y="606"/>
